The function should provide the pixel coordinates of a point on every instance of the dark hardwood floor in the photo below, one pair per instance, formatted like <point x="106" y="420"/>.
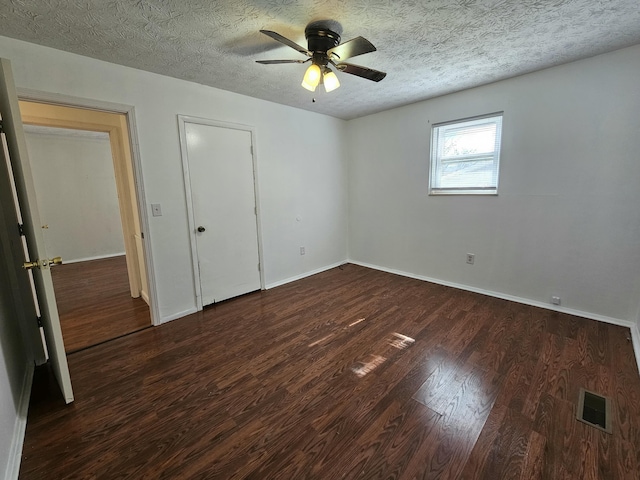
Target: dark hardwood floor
<point x="95" y="304"/>
<point x="351" y="373"/>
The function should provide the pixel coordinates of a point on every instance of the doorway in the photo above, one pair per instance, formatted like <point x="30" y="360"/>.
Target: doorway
<point x="82" y="169"/>
<point x="220" y="181"/>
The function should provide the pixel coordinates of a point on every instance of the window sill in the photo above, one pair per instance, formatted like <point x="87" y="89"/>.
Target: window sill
<point x="464" y="192"/>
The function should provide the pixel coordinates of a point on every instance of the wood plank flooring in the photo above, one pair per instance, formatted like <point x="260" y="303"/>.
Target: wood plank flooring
<point x="351" y="373"/>
<point x="95" y="304"/>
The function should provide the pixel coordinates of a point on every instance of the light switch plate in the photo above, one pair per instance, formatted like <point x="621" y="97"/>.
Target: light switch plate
<point x="156" y="210"/>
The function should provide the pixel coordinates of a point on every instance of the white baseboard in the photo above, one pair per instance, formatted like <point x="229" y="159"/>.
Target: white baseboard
<point x="503" y="296"/>
<point x="633" y="326"/>
<point x="184" y="313"/>
<point x="178" y="315"/>
<point x="88" y="259"/>
<point x="145" y="297"/>
<point x="303" y="275"/>
<point x="15" y="454"/>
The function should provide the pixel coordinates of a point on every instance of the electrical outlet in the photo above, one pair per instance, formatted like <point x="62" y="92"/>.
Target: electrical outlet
<point x="555" y="300"/>
<point x="471" y="257"/>
<point x="302" y="252"/>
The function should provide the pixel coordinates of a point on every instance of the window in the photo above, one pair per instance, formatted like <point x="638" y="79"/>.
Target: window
<point x="465" y="155"/>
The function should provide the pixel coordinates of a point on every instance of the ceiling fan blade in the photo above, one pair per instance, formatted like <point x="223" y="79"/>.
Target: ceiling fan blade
<point x="272" y="62"/>
<point x="287" y="42"/>
<point x="356" y="46"/>
<point x="364" y="72"/>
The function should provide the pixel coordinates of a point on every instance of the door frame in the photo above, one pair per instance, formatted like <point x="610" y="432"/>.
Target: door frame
<point x="140" y="198"/>
<point x="114" y="125"/>
<point x="182" y="120"/>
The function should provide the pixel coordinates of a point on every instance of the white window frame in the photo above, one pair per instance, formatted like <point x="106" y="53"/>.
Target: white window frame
<point x="437" y="134"/>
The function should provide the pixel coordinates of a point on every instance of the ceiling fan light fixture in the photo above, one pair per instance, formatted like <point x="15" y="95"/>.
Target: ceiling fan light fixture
<point x="324" y="48"/>
<point x="312" y="77"/>
<point x="330" y="80"/>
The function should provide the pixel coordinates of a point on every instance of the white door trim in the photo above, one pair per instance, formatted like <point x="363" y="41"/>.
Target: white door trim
<point x="182" y="120"/>
<point x="129" y="111"/>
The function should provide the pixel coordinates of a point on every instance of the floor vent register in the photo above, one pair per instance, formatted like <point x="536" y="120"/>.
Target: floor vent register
<point x="594" y="410"/>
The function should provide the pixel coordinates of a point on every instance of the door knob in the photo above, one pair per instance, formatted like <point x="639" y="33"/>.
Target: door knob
<point x="201" y="229"/>
<point x="42" y="263"/>
<point x="54" y="261"/>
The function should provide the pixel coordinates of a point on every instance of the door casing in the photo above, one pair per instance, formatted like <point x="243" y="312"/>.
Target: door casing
<point x="35" y="113"/>
<point x="136" y="189"/>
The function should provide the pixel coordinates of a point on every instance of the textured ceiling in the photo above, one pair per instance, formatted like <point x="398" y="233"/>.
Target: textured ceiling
<point x="428" y="48"/>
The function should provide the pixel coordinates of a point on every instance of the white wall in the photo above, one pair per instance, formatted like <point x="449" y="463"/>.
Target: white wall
<point x="77" y="197"/>
<point x="565" y="221"/>
<point x="567" y="218"/>
<point x="300" y="155"/>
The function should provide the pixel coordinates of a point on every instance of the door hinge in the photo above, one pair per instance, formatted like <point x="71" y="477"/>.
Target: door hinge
<point x="259" y="267"/>
<point x="251" y="148"/>
<point x="21" y="229"/>
<point x="39" y="320"/>
<point x="255" y="211"/>
<point x="142" y="235"/>
<point x="1" y="127"/>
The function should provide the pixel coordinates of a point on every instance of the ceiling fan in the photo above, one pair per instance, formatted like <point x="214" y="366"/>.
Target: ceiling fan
<point x="324" y="49"/>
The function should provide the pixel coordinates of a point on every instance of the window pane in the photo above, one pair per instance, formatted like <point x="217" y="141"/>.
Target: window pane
<point x="465" y="141"/>
<point x="465" y="156"/>
<point x="479" y="174"/>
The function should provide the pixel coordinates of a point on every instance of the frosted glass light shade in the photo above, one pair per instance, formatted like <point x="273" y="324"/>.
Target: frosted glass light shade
<point x="330" y="81"/>
<point x="311" y="77"/>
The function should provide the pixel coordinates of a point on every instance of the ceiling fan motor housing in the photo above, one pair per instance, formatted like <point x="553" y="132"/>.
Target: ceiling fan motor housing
<point x="319" y="41"/>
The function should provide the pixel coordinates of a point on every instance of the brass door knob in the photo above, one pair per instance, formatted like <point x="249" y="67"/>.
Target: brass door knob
<point x="44" y="263"/>
<point x="54" y="261"/>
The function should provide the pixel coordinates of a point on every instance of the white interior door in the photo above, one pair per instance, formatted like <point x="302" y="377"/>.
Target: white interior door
<point x="13" y="255"/>
<point x="28" y="210"/>
<point x="220" y="166"/>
